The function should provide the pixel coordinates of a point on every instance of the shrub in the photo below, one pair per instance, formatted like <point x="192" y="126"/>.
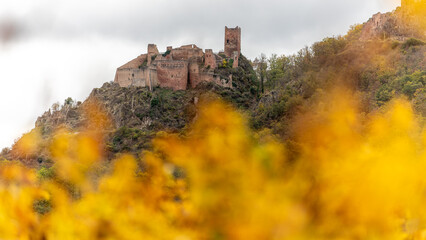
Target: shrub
<point x="412" y="42"/>
<point x="166" y="53"/>
<point x="395" y="44"/>
<point x="69" y="101"/>
<point x="144" y="64"/>
<point x="45" y="173"/>
<point x="155" y="101"/>
<point x="384" y="94"/>
<point x="42" y="206"/>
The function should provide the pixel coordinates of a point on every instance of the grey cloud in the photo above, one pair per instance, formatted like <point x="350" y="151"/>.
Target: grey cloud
<point x="267" y="24"/>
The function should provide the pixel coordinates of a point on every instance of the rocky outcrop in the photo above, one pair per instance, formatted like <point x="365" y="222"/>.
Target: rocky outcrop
<point x="401" y="24"/>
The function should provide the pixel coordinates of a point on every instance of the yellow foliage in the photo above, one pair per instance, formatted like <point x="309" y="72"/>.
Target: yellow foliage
<point x="354" y="177"/>
<point x="27" y="145"/>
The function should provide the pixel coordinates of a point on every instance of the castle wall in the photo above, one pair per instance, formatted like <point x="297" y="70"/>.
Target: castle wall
<point x="232" y="41"/>
<point x="152" y="51"/>
<point x="186" y="52"/>
<point x="151" y="77"/>
<point x="210" y="77"/>
<point x="123" y="77"/>
<point x="135" y="77"/>
<point x="194" y="74"/>
<point x="172" y="74"/>
<point x="235" y="57"/>
<point x="210" y="59"/>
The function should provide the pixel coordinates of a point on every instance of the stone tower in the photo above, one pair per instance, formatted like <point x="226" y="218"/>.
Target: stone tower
<point x="152" y="52"/>
<point x="232" y="41"/>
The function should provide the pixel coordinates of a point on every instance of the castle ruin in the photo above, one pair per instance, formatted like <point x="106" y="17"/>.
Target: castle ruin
<point x="181" y="68"/>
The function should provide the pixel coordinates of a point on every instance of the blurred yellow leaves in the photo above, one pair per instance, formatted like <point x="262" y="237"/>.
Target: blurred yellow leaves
<point x="354" y="177"/>
<point x="27" y="144"/>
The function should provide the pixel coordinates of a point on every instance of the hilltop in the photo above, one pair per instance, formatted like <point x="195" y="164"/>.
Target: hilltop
<point x="379" y="60"/>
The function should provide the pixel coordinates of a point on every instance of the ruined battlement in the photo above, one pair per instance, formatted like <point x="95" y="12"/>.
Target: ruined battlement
<point x="180" y="68"/>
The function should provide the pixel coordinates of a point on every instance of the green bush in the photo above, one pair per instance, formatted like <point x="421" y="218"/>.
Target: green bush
<point x="45" y="173"/>
<point x="155" y="102"/>
<point x="384" y="94"/>
<point x="412" y="42"/>
<point x="395" y="44"/>
<point x="42" y="206"/>
<point x="144" y="64"/>
<point x="409" y="84"/>
<point x="166" y="53"/>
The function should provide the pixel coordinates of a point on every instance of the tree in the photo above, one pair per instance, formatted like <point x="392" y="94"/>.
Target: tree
<point x="55" y="107"/>
<point x="69" y="101"/>
<point x="261" y="65"/>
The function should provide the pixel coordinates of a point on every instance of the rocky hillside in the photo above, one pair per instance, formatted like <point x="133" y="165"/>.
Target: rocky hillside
<point x="138" y="114"/>
<point x="379" y="60"/>
<point x="403" y="23"/>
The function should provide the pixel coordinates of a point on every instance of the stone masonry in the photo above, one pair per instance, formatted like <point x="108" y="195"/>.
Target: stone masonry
<point x="232" y="41"/>
<point x="180" y="68"/>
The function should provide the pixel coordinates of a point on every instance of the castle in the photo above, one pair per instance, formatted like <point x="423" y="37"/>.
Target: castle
<point x="181" y="68"/>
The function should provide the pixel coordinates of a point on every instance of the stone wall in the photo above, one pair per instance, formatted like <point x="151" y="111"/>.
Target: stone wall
<point x="132" y="73"/>
<point x="235" y="57"/>
<point x="172" y="74"/>
<point x="144" y="77"/>
<point x="232" y="41"/>
<point x="123" y="77"/>
<point x="194" y="74"/>
<point x="152" y="51"/>
<point x="211" y="77"/>
<point x="187" y="52"/>
<point x="151" y="77"/>
<point x="210" y="58"/>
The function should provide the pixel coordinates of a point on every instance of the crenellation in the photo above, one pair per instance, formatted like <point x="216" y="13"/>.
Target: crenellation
<point x="180" y="68"/>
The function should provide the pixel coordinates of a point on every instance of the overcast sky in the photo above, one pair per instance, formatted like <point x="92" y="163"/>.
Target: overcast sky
<point x="54" y="49"/>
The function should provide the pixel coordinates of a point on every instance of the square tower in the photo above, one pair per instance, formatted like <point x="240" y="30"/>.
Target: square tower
<point x="232" y="41"/>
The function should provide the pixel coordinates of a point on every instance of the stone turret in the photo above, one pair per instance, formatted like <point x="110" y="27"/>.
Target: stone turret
<point x="232" y="41"/>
